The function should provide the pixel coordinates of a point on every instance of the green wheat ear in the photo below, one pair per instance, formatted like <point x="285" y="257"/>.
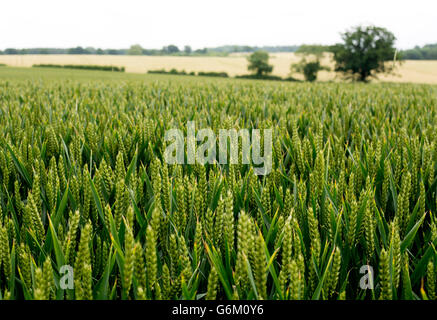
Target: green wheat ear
<point x="333" y="275"/>
<point x="296" y="281"/>
<point x="24" y="264"/>
<point x="395" y="243"/>
<point x="243" y="245"/>
<point x="129" y="260"/>
<point x="431" y="280"/>
<point x="370" y="225"/>
<point x="40" y="289"/>
<point x="151" y="258"/>
<point x="5" y="257"/>
<point x="259" y="268"/>
<point x="212" y="285"/>
<point x="49" y="283"/>
<point x="384" y="276"/>
<point x="82" y="266"/>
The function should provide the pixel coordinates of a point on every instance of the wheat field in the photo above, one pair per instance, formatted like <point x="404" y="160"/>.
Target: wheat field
<point x="90" y="208"/>
<point x="236" y="64"/>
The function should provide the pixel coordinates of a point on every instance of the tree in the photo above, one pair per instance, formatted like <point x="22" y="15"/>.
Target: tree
<point x="90" y="50"/>
<point x="365" y="52"/>
<point x="309" y="64"/>
<point x="11" y="51"/>
<point x="135" y="50"/>
<point x="313" y="49"/>
<point x="309" y="69"/>
<point x="170" y="49"/>
<point x="201" y="51"/>
<point x="77" y="50"/>
<point x="187" y="50"/>
<point x="259" y="63"/>
<point x="115" y="52"/>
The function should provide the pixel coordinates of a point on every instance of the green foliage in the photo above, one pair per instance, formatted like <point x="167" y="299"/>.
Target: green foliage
<point x="427" y="52"/>
<point x="213" y="74"/>
<point x="309" y="69"/>
<point x="262" y="77"/>
<point x="170" y="49"/>
<point x="81" y="67"/>
<point x="135" y="50"/>
<point x="184" y="73"/>
<point x="313" y="49"/>
<point x="310" y="65"/>
<point x="259" y="63"/>
<point x="187" y="50"/>
<point x="365" y="52"/>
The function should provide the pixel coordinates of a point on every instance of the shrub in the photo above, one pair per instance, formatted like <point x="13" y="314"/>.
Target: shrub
<point x="213" y="74"/>
<point x="259" y="77"/>
<point x="172" y="72"/>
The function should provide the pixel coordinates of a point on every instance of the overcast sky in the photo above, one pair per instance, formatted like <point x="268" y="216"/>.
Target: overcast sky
<point x="207" y="23"/>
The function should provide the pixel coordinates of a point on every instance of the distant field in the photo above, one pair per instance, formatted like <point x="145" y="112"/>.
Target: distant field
<point x="410" y="71"/>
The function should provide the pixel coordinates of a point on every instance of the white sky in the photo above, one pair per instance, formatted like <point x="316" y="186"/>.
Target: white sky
<point x="207" y="23"/>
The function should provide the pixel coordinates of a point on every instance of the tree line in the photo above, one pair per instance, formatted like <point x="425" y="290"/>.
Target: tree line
<point x="427" y="52"/>
<point x="133" y="50"/>
<point x="136" y="49"/>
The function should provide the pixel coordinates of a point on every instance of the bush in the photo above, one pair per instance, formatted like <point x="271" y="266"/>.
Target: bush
<point x="309" y="69"/>
<point x="172" y="71"/>
<point x="213" y="74"/>
<point x="291" y="79"/>
<point x="259" y="77"/>
<point x="160" y="71"/>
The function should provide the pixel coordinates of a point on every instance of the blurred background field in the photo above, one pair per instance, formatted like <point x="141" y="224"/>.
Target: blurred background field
<point x="415" y="71"/>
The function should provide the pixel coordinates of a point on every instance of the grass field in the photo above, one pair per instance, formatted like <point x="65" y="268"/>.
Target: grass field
<point x="409" y="71"/>
<point x="84" y="185"/>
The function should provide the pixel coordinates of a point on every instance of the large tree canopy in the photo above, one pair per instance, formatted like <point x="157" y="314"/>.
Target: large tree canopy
<point x="259" y="63"/>
<point x="365" y="52"/>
